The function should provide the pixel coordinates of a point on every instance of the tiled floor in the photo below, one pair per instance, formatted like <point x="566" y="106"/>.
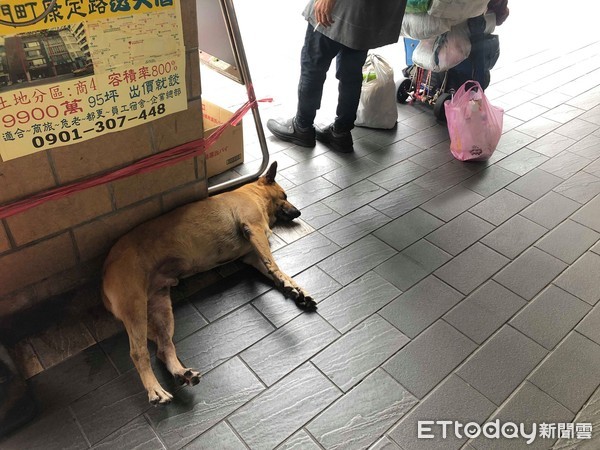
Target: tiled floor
<point x="446" y="290"/>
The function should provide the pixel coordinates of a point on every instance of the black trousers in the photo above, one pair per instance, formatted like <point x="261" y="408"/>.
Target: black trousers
<point x="316" y="57"/>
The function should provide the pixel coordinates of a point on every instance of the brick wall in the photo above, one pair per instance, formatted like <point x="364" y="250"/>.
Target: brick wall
<point x="61" y="244"/>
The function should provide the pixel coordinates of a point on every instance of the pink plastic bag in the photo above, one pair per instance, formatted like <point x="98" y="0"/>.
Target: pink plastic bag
<point x="474" y="124"/>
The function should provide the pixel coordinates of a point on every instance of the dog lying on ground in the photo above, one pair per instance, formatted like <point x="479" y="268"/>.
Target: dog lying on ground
<point x="144" y="264"/>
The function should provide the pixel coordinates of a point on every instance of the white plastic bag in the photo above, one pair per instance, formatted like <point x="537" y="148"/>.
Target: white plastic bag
<point x="444" y="52"/>
<point x="423" y="26"/>
<point x="377" y="107"/>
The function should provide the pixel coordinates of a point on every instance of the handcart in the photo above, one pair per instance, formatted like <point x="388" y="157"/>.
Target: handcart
<point x="435" y="88"/>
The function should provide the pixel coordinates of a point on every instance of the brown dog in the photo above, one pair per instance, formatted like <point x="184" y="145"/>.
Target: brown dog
<point x="144" y="264"/>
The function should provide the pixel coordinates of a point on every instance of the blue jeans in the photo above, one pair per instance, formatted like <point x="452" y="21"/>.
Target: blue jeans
<point x="316" y="57"/>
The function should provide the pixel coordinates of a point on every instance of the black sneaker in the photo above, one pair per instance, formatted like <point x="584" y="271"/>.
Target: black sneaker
<point x="289" y="131"/>
<point x="339" y="141"/>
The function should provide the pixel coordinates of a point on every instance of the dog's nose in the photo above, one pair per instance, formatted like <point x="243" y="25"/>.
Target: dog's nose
<point x="294" y="212"/>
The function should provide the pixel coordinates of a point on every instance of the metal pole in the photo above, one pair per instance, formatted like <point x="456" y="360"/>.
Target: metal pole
<point x="238" y="48"/>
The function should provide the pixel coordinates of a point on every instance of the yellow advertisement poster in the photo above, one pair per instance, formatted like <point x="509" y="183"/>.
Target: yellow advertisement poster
<point x="87" y="68"/>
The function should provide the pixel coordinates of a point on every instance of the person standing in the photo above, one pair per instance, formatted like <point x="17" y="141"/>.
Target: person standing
<point x="345" y="30"/>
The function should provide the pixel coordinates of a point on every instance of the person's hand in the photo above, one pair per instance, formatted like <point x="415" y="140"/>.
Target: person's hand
<point x="323" y="12"/>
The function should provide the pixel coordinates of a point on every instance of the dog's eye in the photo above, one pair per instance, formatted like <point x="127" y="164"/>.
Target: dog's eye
<point x="285" y="196"/>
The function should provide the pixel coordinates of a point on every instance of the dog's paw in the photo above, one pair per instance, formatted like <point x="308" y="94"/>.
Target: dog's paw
<point x="189" y="377"/>
<point x="307" y="303"/>
<point x="158" y="396"/>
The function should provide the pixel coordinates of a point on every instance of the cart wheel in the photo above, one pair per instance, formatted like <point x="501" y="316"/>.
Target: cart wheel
<point x="403" y="90"/>
<point x="438" y="108"/>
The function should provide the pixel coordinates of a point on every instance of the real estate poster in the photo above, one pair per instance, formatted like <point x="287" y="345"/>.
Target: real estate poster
<point x="87" y="68"/>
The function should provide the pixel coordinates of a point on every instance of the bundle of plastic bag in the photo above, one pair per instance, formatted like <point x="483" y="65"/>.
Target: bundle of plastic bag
<point x="377" y="107"/>
<point x="423" y="26"/>
<point x="417" y="6"/>
<point x="457" y="10"/>
<point x="445" y="51"/>
<point x="474" y="124"/>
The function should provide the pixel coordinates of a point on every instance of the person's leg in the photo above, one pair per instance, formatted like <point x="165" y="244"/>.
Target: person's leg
<point x="315" y="60"/>
<point x="349" y="73"/>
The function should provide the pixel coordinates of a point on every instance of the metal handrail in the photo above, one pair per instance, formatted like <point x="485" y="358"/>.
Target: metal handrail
<point x="238" y="47"/>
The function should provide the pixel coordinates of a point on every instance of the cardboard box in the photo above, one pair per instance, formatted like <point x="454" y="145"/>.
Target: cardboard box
<point x="228" y="150"/>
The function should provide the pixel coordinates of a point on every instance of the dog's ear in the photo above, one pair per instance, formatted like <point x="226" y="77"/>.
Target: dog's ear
<point x="270" y="175"/>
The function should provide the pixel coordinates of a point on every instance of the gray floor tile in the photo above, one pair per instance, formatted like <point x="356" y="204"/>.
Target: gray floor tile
<point x="360" y="417"/>
<point x="311" y="192"/>
<point x="489" y="180"/>
<point x="530" y="273"/>
<point x="352" y="198"/>
<point x="513" y="141"/>
<point x="231" y="293"/>
<point x="565" y="165"/>
<point x="187" y="320"/>
<point x="550" y="210"/>
<point x="357" y="301"/>
<point x="219" y="341"/>
<point x="581" y="187"/>
<point x="276" y="414"/>
<point x="588" y="147"/>
<point x="402" y="200"/>
<point x="299" y="441"/>
<point x="552" y="144"/>
<point x="408" y="229"/>
<point x="593" y="168"/>
<point x="484" y="311"/>
<point x="290" y="232"/>
<point x="304" y="253"/>
<point x="387" y="137"/>
<point x="219" y="437"/>
<point x="538" y="127"/>
<point x="347" y="361"/>
<point x="85" y="372"/>
<point x="413" y="264"/>
<point x="568" y="241"/>
<point x="103" y="411"/>
<point x="570" y="373"/>
<point x="522" y="161"/>
<point x="357" y="259"/>
<point x="471" y="268"/>
<point x="426" y="254"/>
<point x="136" y="434"/>
<point x="451" y="203"/>
<point x="587" y="415"/>
<point x="577" y="128"/>
<point x="351" y="173"/>
<point x="195" y="410"/>
<point x="514" y="236"/>
<point x="393" y="153"/>
<point x="429" y="137"/>
<point x="429" y="358"/>
<point x="384" y="444"/>
<point x="460" y="233"/>
<point x="420" y="306"/>
<point x="453" y="399"/>
<point x="534" y="184"/>
<point x="309" y="169"/>
<point x="500" y="206"/>
<point x="590" y="326"/>
<point x="550" y="316"/>
<point x="444" y="177"/>
<point x="434" y="157"/>
<point x="589" y="215"/>
<point x="528" y="406"/>
<point x="288" y="347"/>
<point x="53" y="431"/>
<point x="501" y="364"/>
<point x="582" y="278"/>
<point x="354" y="226"/>
<point x="318" y="215"/>
<point x="397" y="175"/>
